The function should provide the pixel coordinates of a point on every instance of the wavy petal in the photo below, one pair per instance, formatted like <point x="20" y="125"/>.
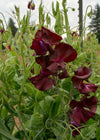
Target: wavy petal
<point x="63" y="52"/>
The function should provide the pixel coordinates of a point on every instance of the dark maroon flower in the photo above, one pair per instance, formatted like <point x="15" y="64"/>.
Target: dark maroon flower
<point x="2" y="30"/>
<point x="85" y="109"/>
<point x="39" y="46"/>
<point x="43" y="61"/>
<point x="86" y="88"/>
<point x="54" y="62"/>
<point x="31" y="5"/>
<point x="44" y="40"/>
<point x="63" y="52"/>
<point x="75" y="126"/>
<point x="42" y="81"/>
<point x="90" y="103"/>
<point x="55" y="68"/>
<point x="80" y="74"/>
<point x="50" y="37"/>
<point x="83" y="73"/>
<point x="82" y="115"/>
<point x="63" y="74"/>
<point x="76" y="82"/>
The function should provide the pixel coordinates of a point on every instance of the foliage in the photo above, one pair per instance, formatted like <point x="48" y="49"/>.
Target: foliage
<point x="27" y="113"/>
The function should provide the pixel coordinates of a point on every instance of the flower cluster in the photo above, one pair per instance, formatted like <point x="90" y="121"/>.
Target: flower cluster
<point x="52" y="55"/>
<point x="84" y="109"/>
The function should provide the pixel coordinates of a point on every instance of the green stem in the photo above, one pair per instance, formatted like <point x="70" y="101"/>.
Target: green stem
<point x="85" y="19"/>
<point x="21" y="90"/>
<point x="1" y="49"/>
<point x="66" y="18"/>
<point x="59" y="92"/>
<point x="3" y="18"/>
<point x="39" y="133"/>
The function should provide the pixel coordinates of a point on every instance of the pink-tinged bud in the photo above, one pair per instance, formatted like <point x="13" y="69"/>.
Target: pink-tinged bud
<point x="9" y="47"/>
<point x="75" y="34"/>
<point x="26" y="64"/>
<point x="31" y="5"/>
<point x="2" y="30"/>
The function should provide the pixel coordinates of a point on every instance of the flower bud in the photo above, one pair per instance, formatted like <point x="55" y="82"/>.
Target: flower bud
<point x="31" y="5"/>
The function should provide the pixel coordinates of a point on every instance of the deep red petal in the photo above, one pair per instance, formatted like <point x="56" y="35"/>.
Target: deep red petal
<point x="86" y="88"/>
<point x="43" y="61"/>
<point x="50" y="37"/>
<point x="75" y="125"/>
<point x="42" y="81"/>
<point x="39" y="34"/>
<point x="76" y="81"/>
<point x="39" y="49"/>
<point x="73" y="104"/>
<point x="81" y="115"/>
<point x="53" y="68"/>
<point x="63" y="74"/>
<point x="83" y="73"/>
<point x="44" y="84"/>
<point x="90" y="103"/>
<point x="63" y="52"/>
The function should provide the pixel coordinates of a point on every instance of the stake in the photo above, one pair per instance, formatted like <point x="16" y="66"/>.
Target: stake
<point x="81" y="20"/>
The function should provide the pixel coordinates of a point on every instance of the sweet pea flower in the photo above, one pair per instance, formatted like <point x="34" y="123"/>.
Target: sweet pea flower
<point x="64" y="52"/>
<point x="77" y="126"/>
<point x="44" y="40"/>
<point x="85" y="109"/>
<point x="56" y="61"/>
<point x="86" y="88"/>
<point x="53" y="63"/>
<point x="81" y="74"/>
<point x="42" y="81"/>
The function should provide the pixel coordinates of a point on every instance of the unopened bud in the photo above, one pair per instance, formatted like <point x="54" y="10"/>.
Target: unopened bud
<point x="31" y="5"/>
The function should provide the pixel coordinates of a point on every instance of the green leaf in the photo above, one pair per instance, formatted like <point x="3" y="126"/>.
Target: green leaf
<point x="48" y="20"/>
<point x="54" y="107"/>
<point x="36" y="122"/>
<point x="30" y="89"/>
<point x="43" y="107"/>
<point x="46" y="104"/>
<point x="89" y="132"/>
<point x="10" y="123"/>
<point x="7" y="135"/>
<point x="98" y="133"/>
<point x="53" y="10"/>
<point x="4" y="112"/>
<point x="67" y="84"/>
<point x="4" y="138"/>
